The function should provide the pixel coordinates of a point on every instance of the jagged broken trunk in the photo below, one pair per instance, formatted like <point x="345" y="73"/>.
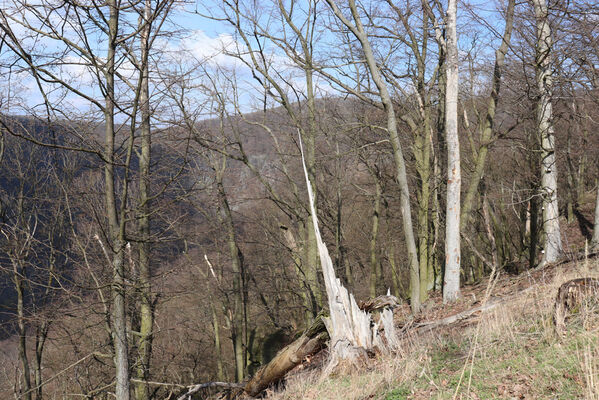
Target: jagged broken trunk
<point x="351" y="330"/>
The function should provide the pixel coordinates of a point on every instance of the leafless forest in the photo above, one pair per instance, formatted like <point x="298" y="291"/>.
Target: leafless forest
<point x="155" y="226"/>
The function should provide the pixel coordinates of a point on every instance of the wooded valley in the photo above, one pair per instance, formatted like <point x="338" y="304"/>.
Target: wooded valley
<point x="155" y="222"/>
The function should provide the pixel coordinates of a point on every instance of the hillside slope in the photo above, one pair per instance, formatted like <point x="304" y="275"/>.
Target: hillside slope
<point x="508" y="352"/>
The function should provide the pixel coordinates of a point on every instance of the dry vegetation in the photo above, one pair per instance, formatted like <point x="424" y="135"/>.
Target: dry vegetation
<point x="511" y="352"/>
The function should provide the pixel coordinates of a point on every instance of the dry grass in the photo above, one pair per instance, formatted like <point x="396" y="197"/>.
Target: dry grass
<point x="509" y="352"/>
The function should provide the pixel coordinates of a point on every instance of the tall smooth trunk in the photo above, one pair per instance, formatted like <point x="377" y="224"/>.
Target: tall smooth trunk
<point x="238" y="320"/>
<point x="451" y="286"/>
<point x="22" y="329"/>
<point x="144" y="344"/>
<point x="220" y="370"/>
<point x="119" y="326"/>
<point x="313" y="260"/>
<point x="544" y="55"/>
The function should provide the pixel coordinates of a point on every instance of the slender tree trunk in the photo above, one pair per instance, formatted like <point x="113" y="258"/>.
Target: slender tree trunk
<point x="373" y="237"/>
<point x="119" y="330"/>
<point x="238" y="321"/>
<point x="119" y="326"/>
<point x="422" y="152"/>
<point x="553" y="243"/>
<point x="313" y="261"/>
<point x="144" y="344"/>
<point x="22" y="330"/>
<point x="40" y="339"/>
<point x="436" y="220"/>
<point x="400" y="166"/>
<point x="339" y="260"/>
<point x="488" y="123"/>
<point x="595" y="240"/>
<point x="451" y="287"/>
<point x="220" y="371"/>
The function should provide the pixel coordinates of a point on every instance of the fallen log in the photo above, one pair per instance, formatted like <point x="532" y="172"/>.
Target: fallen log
<point x="310" y="342"/>
<point x="571" y="294"/>
<point x="191" y="390"/>
<point x="463" y="315"/>
<point x="429" y="325"/>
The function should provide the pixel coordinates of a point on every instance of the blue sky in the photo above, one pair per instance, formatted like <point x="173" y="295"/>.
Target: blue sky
<point x="204" y="38"/>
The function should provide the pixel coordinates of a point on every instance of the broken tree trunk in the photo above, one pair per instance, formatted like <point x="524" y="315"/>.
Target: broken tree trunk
<point x="309" y="343"/>
<point x="313" y="340"/>
<point x="350" y="329"/>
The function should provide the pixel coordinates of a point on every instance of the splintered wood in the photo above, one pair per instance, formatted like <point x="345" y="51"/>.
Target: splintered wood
<point x="351" y="330"/>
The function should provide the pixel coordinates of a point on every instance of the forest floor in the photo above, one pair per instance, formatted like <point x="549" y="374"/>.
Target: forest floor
<point x="508" y="352"/>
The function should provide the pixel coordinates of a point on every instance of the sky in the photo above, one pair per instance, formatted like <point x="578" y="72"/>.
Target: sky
<point x="202" y="39"/>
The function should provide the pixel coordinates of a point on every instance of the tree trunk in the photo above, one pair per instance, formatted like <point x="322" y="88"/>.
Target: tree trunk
<point x="451" y="287"/>
<point x="41" y="335"/>
<point x="22" y="330"/>
<point x="488" y="123"/>
<point x="400" y="166"/>
<point x="553" y="243"/>
<point x="310" y="139"/>
<point x="220" y="371"/>
<point x="238" y="325"/>
<point x="595" y="240"/>
<point x="144" y="343"/>
<point x="373" y="237"/>
<point x="116" y="231"/>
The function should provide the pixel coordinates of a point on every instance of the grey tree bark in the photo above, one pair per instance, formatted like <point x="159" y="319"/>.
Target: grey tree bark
<point x="146" y="313"/>
<point x="239" y="319"/>
<point x="545" y="129"/>
<point x="595" y="239"/>
<point x="451" y="286"/>
<point x="374" y="262"/>
<point x="487" y="126"/>
<point x="116" y="227"/>
<point x="357" y="29"/>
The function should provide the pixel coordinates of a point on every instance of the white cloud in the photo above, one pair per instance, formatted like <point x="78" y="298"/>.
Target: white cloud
<point x="213" y="50"/>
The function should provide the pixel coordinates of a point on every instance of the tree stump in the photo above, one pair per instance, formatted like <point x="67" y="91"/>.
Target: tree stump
<point x="571" y="295"/>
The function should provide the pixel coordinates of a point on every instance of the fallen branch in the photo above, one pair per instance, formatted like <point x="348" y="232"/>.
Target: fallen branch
<point x="489" y="305"/>
<point x="459" y="316"/>
<point x="196" y="388"/>
<point x="310" y="342"/>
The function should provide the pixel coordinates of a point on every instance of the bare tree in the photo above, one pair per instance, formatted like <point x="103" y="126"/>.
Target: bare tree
<point x="357" y="29"/>
<point x="545" y="129"/>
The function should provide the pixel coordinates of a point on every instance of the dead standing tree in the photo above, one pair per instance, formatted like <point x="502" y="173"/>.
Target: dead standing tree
<point x="350" y="329"/>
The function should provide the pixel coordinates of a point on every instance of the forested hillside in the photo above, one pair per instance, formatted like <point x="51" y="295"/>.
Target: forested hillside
<point x="155" y="227"/>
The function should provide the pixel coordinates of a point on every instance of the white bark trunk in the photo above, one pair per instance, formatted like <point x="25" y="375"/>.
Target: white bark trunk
<point x="350" y="328"/>
<point x="451" y="287"/>
<point x="553" y="243"/>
